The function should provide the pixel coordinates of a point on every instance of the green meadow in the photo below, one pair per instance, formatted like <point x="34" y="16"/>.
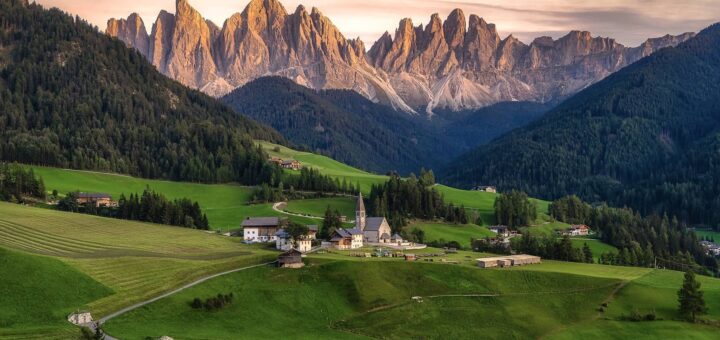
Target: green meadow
<point x="451" y="232"/>
<point x="317" y="207"/>
<point x="38" y="293"/>
<point x="131" y="261"/>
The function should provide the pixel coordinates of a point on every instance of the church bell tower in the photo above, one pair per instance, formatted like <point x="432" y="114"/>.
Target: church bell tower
<point x="360" y="213"/>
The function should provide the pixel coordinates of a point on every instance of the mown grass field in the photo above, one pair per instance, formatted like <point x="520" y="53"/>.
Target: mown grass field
<point x="354" y="299"/>
<point x="451" y="232"/>
<point x="136" y="261"/>
<point x="39" y="292"/>
<point x="709" y="233"/>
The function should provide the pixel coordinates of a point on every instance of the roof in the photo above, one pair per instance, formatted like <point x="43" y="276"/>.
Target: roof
<point x="360" y="206"/>
<point x="289" y="161"/>
<point x="374" y="223"/>
<point x="385" y="236"/>
<point x="282" y="233"/>
<point x="261" y="222"/>
<point x="347" y="233"/>
<point x="291" y="252"/>
<point x="396" y="236"/>
<point x="499" y="227"/>
<point x="313" y="227"/>
<point x="95" y="195"/>
<point x="580" y="226"/>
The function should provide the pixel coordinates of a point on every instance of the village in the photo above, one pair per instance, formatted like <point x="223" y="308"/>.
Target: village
<point x="371" y="237"/>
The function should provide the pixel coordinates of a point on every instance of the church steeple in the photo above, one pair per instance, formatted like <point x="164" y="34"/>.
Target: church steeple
<point x="360" y="214"/>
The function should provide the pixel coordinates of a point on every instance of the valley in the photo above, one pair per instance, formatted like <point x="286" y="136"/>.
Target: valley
<point x="269" y="178"/>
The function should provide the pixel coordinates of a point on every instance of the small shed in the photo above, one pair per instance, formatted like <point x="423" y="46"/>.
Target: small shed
<point x="290" y="259"/>
<point x="80" y="318"/>
<point x="410" y="257"/>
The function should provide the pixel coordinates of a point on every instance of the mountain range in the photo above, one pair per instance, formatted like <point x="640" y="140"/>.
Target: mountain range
<point x="457" y="64"/>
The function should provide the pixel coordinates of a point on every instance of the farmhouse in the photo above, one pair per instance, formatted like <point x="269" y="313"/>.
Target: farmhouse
<point x="507" y="261"/>
<point x="485" y="188"/>
<point x="500" y="230"/>
<point x="285" y="242"/>
<point x="578" y="230"/>
<point x="260" y="229"/>
<point x="96" y="199"/>
<point x="312" y="231"/>
<point x="347" y="239"/>
<point x="374" y="229"/>
<point x="291" y="164"/>
<point x="290" y="259"/>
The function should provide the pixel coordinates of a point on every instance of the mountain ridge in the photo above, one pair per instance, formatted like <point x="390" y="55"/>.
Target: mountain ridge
<point x="646" y="137"/>
<point x="453" y="64"/>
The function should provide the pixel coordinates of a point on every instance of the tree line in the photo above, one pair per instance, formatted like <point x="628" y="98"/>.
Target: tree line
<point x="640" y="239"/>
<point x="149" y="206"/>
<point x="17" y="182"/>
<point x="400" y="200"/>
<point x="514" y="209"/>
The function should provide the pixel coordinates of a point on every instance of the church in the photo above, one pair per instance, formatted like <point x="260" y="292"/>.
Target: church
<point x="375" y="229"/>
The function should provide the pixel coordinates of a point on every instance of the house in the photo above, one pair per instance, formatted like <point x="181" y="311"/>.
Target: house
<point x="347" y="239"/>
<point x="80" y="318"/>
<point x="260" y="229"/>
<point x="290" y="259"/>
<point x="711" y="248"/>
<point x="312" y="231"/>
<point x="485" y="188"/>
<point x="507" y="261"/>
<point x="500" y="230"/>
<point x="291" y="164"/>
<point x="578" y="230"/>
<point x="276" y="160"/>
<point x="375" y="229"/>
<point x="96" y="199"/>
<point x="283" y="241"/>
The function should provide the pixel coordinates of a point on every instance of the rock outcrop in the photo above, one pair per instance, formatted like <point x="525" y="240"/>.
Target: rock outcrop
<point x="453" y="64"/>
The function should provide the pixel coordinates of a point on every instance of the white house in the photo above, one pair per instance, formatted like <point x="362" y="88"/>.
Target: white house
<point x="501" y="230"/>
<point x="285" y="242"/>
<point x="374" y="229"/>
<point x="260" y="229"/>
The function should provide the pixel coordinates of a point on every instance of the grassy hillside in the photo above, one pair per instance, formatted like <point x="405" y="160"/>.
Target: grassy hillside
<point x="344" y="299"/>
<point x="450" y="232"/>
<point x="39" y="292"/>
<point x="135" y="260"/>
<point x="338" y="296"/>
<point x="317" y="207"/>
<point x="225" y="204"/>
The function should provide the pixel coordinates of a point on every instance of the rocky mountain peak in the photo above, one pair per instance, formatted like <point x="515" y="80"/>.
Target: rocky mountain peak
<point x="453" y="64"/>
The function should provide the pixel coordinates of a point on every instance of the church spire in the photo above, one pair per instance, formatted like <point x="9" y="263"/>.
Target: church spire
<point x="360" y="214"/>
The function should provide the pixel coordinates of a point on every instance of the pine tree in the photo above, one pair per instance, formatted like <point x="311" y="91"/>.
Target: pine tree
<point x="587" y="253"/>
<point x="692" y="302"/>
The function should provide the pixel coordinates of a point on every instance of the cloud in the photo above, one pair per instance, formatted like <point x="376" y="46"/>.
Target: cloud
<point x="628" y="21"/>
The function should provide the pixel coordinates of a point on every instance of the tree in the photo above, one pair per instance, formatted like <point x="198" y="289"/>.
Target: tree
<point x="331" y="221"/>
<point x="296" y="231"/>
<point x="418" y="234"/>
<point x="514" y="209"/>
<point x="587" y="253"/>
<point x="692" y="302"/>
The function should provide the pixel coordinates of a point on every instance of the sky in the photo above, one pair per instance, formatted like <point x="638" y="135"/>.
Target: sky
<point x="630" y="22"/>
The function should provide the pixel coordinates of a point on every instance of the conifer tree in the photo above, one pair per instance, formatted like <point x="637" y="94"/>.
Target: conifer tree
<point x="690" y="297"/>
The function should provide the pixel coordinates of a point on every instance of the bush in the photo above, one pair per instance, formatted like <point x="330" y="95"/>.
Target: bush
<point x="214" y="303"/>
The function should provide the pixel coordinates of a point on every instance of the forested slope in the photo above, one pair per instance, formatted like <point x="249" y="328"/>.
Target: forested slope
<point x="647" y="136"/>
<point x="73" y="97"/>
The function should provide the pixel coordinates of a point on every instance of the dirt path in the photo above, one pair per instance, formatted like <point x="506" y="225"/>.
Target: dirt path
<point x="276" y="208"/>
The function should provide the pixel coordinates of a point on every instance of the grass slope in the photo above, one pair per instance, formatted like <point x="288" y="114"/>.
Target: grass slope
<point x="317" y="207"/>
<point x="225" y="204"/>
<point x="136" y="260"/>
<point x="451" y="232"/>
<point x="39" y="292"/>
<point x="351" y="299"/>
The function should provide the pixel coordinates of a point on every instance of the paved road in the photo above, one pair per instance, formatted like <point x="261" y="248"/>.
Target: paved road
<point x="195" y="283"/>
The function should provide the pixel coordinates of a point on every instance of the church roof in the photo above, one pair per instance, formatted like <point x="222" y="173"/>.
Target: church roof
<point x="360" y="204"/>
<point x="374" y="223"/>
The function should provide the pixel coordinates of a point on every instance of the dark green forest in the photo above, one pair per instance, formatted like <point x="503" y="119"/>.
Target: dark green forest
<point x="340" y="124"/>
<point x="150" y="206"/>
<point x="75" y="98"/>
<point x="400" y="200"/>
<point x="17" y="182"/>
<point x="647" y="137"/>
